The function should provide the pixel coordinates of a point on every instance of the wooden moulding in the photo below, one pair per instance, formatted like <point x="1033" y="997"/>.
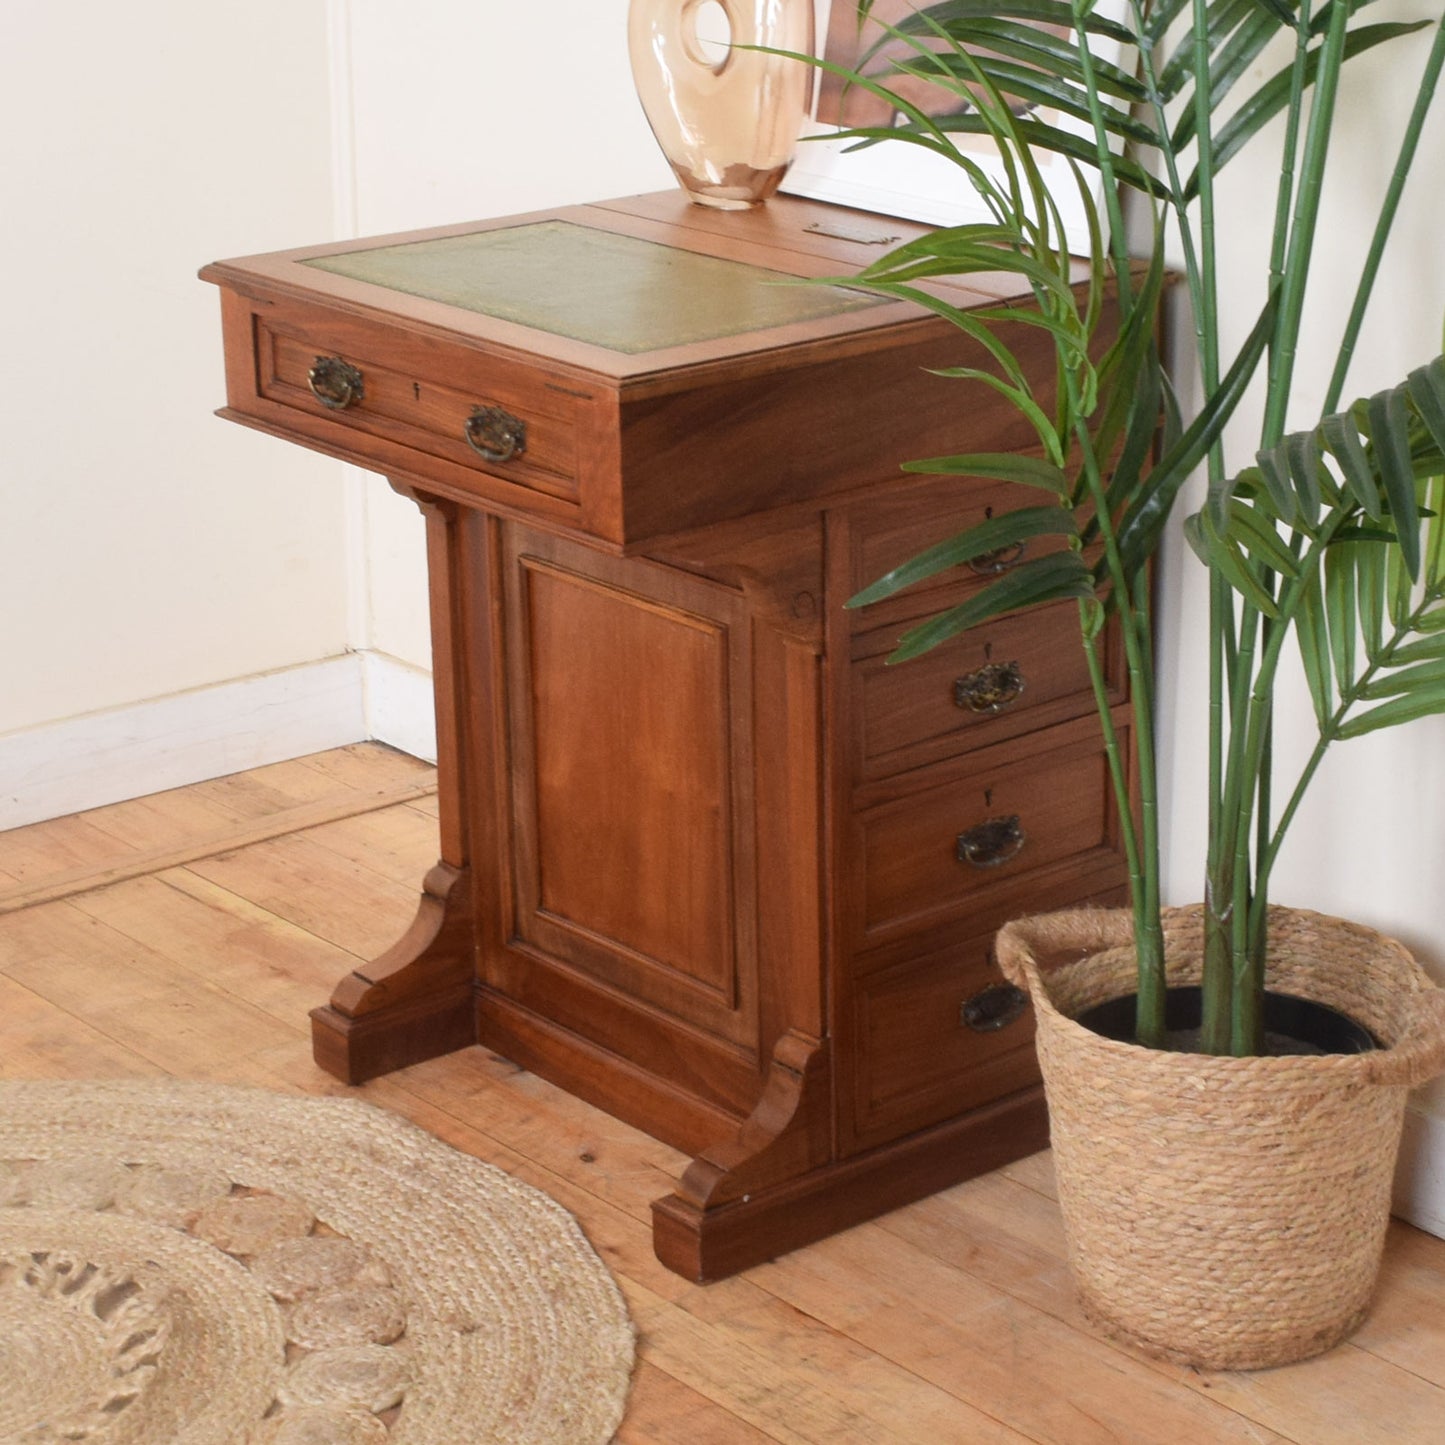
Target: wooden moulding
<point x="412" y="1003"/>
<point x="708" y="1243"/>
<point x="355" y="1050"/>
<point x="640" y="1096"/>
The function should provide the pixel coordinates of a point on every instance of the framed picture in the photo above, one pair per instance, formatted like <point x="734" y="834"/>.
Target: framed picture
<point x="896" y="178"/>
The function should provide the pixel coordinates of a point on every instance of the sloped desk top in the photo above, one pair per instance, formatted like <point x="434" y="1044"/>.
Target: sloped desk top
<point x="620" y="292"/>
<point x="640" y="343"/>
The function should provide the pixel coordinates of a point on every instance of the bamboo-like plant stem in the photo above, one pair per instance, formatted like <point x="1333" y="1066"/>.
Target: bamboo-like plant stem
<point x="1118" y="238"/>
<point x="1138" y="645"/>
<point x="1256" y="942"/>
<point x="1250" y="746"/>
<point x="1306" y="218"/>
<point x="1248" y="789"/>
<point x="1142" y="848"/>
<point x="1149" y="1018"/>
<point x="1217" y="977"/>
<point x="1237" y="811"/>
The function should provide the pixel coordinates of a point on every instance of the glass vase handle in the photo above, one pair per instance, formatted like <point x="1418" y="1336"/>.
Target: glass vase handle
<point x="727" y="119"/>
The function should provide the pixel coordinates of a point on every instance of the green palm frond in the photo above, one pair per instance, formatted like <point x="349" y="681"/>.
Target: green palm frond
<point x="994" y="535"/>
<point x="1054" y="577"/>
<point x="1047" y="70"/>
<point x="1332" y="536"/>
<point x="1363" y="581"/>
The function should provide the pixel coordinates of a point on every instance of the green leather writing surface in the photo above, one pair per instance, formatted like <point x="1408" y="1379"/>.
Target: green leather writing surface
<point x="615" y="291"/>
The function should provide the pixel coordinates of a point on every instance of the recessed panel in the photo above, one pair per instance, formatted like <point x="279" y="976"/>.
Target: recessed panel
<point x="632" y="774"/>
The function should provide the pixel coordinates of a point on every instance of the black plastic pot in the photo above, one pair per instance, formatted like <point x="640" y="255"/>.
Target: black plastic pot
<point x="1312" y="1027"/>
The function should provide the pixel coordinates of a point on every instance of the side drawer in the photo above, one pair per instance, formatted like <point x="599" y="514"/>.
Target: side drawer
<point x="983" y="833"/>
<point x="883" y="535"/>
<point x="935" y="1037"/>
<point x="422" y="395"/>
<point x="997" y="680"/>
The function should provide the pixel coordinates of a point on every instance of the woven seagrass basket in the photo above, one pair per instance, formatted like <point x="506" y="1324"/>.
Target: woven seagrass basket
<point x="1226" y="1213"/>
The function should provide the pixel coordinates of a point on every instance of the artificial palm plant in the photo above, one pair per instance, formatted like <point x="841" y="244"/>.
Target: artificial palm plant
<point x="1329" y="536"/>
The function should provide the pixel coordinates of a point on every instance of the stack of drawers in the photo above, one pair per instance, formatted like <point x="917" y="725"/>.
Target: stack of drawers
<point x="977" y="790"/>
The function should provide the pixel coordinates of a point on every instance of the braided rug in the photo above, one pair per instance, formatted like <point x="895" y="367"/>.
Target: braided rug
<point x="190" y="1264"/>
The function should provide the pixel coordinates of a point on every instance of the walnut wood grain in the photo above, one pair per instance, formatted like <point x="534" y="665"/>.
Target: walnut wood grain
<point x="710" y="1244"/>
<point x="698" y="845"/>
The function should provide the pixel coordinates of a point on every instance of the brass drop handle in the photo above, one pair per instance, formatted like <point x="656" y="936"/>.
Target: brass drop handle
<point x="993" y="1009"/>
<point x="495" y="434"/>
<point x="1001" y="559"/>
<point x="991" y="689"/>
<point x="990" y="844"/>
<point x="335" y="383"/>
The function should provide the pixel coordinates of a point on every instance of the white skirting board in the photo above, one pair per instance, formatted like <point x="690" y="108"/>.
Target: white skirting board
<point x="399" y="707"/>
<point x="168" y="742"/>
<point x="1420" y="1177"/>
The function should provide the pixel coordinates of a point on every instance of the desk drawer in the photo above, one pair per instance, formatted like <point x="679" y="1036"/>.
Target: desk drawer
<point x="935" y="1037"/>
<point x="984" y="834"/>
<point x="997" y="680"/>
<point x="425" y="397"/>
<point x="883" y="535"/>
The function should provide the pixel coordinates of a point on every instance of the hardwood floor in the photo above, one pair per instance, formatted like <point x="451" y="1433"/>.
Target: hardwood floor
<point x="190" y="933"/>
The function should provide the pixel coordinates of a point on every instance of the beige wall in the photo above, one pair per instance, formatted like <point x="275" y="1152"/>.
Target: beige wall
<point x="149" y="552"/>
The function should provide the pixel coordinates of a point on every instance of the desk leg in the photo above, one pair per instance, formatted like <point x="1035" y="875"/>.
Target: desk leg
<point x="417" y="1000"/>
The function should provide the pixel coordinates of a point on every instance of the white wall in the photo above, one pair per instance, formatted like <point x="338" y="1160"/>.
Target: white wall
<point x="148" y="550"/>
<point x="479" y="110"/>
<point x="145" y="547"/>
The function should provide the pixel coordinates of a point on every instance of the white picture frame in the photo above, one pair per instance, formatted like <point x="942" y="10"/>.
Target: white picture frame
<point x="896" y="178"/>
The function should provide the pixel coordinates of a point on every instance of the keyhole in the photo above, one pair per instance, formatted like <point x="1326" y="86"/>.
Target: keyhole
<point x="988" y="652"/>
<point x="707" y="33"/>
<point x="416" y="390"/>
<point x="988" y="797"/>
<point x="988" y="514"/>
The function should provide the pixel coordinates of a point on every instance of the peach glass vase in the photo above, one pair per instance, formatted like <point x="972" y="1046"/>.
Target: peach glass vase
<point x="727" y="119"/>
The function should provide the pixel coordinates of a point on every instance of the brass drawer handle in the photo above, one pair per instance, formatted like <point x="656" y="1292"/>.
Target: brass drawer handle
<point x="335" y="383"/>
<point x="997" y="841"/>
<point x="993" y="1009"/>
<point x="991" y="689"/>
<point x="495" y="434"/>
<point x="1001" y="559"/>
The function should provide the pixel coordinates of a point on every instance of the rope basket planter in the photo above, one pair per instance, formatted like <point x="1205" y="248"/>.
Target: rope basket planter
<point x="1225" y="1213"/>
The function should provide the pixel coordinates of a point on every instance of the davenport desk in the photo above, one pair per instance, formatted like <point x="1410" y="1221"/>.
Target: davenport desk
<point x="704" y="860"/>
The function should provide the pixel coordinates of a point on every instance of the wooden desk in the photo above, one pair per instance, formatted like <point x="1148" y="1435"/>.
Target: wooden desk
<point x="700" y="852"/>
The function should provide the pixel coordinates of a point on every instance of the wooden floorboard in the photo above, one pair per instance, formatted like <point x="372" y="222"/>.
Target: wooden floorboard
<point x="65" y="856"/>
<point x="191" y="932"/>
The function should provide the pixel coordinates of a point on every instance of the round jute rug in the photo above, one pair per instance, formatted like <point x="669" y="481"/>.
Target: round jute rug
<point x="189" y="1264"/>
